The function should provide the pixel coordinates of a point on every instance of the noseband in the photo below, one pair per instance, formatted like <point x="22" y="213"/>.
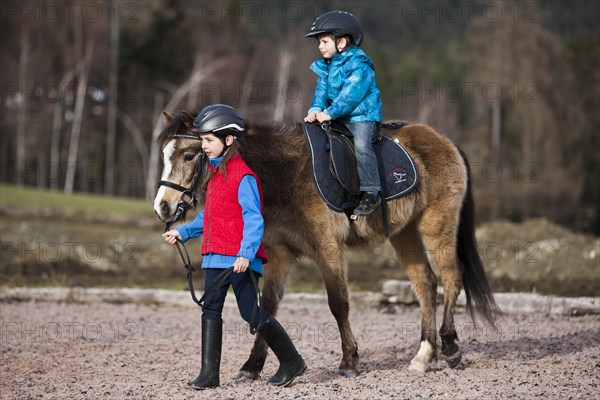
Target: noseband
<point x="190" y="192"/>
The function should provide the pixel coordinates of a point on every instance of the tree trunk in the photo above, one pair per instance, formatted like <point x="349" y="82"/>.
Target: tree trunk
<point x="248" y="78"/>
<point x="496" y="136"/>
<point x="496" y="140"/>
<point x="152" y="177"/>
<point x="192" y="99"/>
<point x="22" y="116"/>
<point x="53" y="174"/>
<point x="77" y="120"/>
<point x="283" y="79"/>
<point x="111" y="128"/>
<point x="138" y="140"/>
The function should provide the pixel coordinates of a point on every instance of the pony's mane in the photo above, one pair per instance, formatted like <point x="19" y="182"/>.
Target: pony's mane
<point x="252" y="128"/>
<point x="274" y="129"/>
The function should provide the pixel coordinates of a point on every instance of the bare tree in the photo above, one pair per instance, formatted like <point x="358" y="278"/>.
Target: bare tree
<point x="496" y="130"/>
<point x="136" y="135"/>
<point x="192" y="98"/>
<point x="285" y="60"/>
<point x="55" y="139"/>
<point x="111" y="131"/>
<point x="528" y="95"/>
<point x="77" y="119"/>
<point x="248" y="78"/>
<point x="22" y="116"/>
<point x="55" y="145"/>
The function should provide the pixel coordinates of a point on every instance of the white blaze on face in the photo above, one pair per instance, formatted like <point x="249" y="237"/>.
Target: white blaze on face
<point x="167" y="154"/>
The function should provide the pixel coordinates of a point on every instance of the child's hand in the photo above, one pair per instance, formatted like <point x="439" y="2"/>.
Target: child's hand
<point x="171" y="236"/>
<point x="241" y="264"/>
<point x="312" y="117"/>
<point x="323" y="117"/>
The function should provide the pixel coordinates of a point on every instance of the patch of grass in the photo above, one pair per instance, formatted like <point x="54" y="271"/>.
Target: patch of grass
<point x="25" y="197"/>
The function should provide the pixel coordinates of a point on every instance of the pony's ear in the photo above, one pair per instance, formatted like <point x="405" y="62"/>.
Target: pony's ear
<point x="188" y="120"/>
<point x="168" y="117"/>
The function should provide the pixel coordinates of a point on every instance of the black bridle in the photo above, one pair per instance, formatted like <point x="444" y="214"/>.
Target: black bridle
<point x="182" y="207"/>
<point x="189" y="192"/>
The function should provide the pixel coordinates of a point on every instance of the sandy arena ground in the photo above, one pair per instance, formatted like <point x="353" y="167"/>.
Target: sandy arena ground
<point x="118" y="351"/>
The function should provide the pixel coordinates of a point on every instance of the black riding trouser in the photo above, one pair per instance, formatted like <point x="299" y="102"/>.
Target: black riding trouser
<point x="244" y="291"/>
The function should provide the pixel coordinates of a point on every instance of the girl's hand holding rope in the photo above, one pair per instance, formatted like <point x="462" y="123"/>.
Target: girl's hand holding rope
<point x="171" y="236"/>
<point x="241" y="264"/>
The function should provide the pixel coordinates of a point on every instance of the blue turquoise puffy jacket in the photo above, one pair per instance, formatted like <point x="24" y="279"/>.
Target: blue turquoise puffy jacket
<point x="346" y="87"/>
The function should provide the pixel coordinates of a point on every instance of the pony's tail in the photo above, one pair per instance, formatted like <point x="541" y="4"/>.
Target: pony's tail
<point x="480" y="299"/>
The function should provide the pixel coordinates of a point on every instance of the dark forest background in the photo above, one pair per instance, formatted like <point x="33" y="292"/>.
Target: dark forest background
<point x="516" y="84"/>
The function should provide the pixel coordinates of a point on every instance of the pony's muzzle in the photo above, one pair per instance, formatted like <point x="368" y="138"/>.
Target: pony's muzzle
<point x="164" y="211"/>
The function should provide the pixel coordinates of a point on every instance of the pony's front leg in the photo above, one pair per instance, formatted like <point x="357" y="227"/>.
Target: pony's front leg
<point x="275" y="278"/>
<point x="333" y="271"/>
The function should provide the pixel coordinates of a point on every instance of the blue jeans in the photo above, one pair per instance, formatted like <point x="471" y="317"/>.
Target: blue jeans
<point x="368" y="171"/>
<point x="245" y="294"/>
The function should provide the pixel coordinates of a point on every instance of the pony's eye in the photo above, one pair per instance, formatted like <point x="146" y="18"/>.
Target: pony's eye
<point x="188" y="157"/>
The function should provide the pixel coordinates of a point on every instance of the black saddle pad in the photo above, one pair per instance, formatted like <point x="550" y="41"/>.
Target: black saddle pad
<point x="396" y="170"/>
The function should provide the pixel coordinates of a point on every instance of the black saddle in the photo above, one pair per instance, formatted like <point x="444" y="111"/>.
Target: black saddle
<point x="334" y="165"/>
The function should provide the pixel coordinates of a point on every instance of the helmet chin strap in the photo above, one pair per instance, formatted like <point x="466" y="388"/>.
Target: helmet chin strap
<point x="226" y="146"/>
<point x="223" y="151"/>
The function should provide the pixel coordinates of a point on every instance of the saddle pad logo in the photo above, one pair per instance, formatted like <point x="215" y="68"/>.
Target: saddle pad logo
<point x="399" y="175"/>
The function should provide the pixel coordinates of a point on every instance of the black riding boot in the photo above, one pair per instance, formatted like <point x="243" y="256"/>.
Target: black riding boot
<point x="212" y="332"/>
<point x="291" y="363"/>
<point x="368" y="204"/>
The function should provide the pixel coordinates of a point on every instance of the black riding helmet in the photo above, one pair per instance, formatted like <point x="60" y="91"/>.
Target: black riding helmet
<point x="220" y="120"/>
<point x="338" y="23"/>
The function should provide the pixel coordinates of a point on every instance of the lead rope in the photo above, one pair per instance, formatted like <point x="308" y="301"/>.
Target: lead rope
<point x="257" y="305"/>
<point x="184" y="255"/>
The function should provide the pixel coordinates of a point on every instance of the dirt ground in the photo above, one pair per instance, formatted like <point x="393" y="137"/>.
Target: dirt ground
<point x="118" y="351"/>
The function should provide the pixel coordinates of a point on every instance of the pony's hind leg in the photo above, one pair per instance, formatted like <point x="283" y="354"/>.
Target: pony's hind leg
<point x="439" y="239"/>
<point x="275" y="278"/>
<point x="410" y="251"/>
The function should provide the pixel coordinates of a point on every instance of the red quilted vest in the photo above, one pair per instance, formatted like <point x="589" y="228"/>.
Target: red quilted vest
<point x="223" y="223"/>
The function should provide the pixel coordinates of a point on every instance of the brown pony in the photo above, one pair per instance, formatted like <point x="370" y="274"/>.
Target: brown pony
<point x="433" y="222"/>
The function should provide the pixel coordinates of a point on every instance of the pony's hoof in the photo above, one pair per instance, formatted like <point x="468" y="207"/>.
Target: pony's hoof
<point x="246" y="375"/>
<point x="454" y="359"/>
<point x="348" y="373"/>
<point x="421" y="361"/>
<point x="418" y="366"/>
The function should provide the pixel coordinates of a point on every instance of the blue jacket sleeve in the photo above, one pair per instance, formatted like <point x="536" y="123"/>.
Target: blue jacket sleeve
<point x="192" y="229"/>
<point x="353" y="92"/>
<point x="319" y="102"/>
<point x="254" y="224"/>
